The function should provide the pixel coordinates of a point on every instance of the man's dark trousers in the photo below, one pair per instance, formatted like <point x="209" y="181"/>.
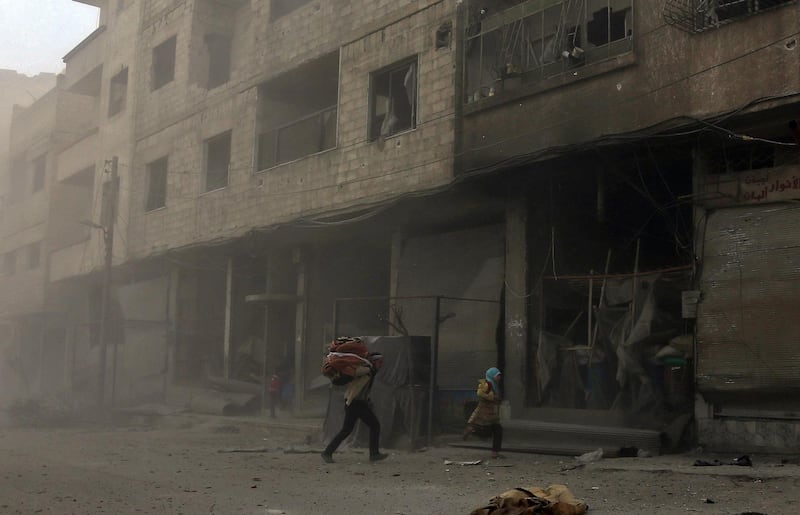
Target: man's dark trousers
<point x="357" y="410"/>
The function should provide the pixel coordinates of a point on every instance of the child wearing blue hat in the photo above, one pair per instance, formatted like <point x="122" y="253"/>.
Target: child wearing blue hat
<point x="485" y="419"/>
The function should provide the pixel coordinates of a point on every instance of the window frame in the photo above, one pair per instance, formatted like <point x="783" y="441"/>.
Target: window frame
<point x="394" y="67"/>
<point x="228" y="134"/>
<point x="150" y="169"/>
<point x="211" y="40"/>
<point x="155" y="82"/>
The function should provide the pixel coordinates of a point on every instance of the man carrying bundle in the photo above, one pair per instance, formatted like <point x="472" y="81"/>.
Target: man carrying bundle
<point x="357" y="405"/>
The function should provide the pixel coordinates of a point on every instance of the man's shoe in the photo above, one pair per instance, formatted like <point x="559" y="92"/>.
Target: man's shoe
<point x="378" y="457"/>
<point x="327" y="458"/>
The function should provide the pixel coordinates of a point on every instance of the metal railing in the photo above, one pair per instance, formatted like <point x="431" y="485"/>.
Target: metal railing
<point x="702" y="15"/>
<point x="308" y="135"/>
<point x="538" y="40"/>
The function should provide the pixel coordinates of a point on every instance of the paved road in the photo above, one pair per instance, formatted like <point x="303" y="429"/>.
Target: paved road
<point x="180" y="470"/>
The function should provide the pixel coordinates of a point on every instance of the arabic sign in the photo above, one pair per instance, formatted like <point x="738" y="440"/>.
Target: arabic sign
<point x="753" y="187"/>
<point x="770" y="186"/>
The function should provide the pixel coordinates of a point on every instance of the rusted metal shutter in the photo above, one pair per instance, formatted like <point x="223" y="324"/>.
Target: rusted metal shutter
<point x="748" y="326"/>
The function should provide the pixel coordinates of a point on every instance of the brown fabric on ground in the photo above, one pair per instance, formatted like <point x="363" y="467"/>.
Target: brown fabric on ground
<point x="553" y="500"/>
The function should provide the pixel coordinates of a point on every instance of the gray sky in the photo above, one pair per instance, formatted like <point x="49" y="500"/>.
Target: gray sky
<point x="35" y="34"/>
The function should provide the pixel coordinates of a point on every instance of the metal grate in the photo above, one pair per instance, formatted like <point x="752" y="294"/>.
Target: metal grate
<point x="540" y="39"/>
<point x="702" y="15"/>
<point x="747" y="156"/>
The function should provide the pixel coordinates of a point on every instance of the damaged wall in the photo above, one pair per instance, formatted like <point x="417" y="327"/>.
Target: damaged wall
<point x="463" y="264"/>
<point x="171" y="124"/>
<point x="668" y="74"/>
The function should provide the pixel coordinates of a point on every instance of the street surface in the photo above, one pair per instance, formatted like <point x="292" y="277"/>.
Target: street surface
<point x="180" y="469"/>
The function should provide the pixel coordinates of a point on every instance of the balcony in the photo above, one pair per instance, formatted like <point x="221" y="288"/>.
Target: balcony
<point x="83" y="61"/>
<point x="308" y="135"/>
<point x="540" y="39"/>
<point x="702" y="15"/>
<point x="297" y="112"/>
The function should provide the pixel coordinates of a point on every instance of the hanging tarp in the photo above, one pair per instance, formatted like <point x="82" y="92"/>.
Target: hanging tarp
<point x="747" y="326"/>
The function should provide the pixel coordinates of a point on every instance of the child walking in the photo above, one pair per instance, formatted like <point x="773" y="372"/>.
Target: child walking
<point x="485" y="419"/>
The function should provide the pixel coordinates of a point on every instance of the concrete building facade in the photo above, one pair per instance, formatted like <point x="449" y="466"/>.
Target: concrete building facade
<point x="564" y="189"/>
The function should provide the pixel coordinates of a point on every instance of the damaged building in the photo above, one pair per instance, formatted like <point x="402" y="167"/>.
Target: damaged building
<point x="597" y="196"/>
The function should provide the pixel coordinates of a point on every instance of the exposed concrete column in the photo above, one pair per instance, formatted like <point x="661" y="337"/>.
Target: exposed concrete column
<point x="172" y="329"/>
<point x="516" y="305"/>
<point x="703" y="410"/>
<point x="228" y="312"/>
<point x="300" y="329"/>
<point x="398" y="238"/>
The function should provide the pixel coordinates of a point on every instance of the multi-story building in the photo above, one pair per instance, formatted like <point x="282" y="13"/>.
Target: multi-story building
<point x="596" y="196"/>
<point x="38" y="133"/>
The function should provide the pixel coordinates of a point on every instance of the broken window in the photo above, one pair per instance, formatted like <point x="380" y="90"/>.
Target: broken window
<point x="278" y="8"/>
<point x="700" y="15"/>
<point x="117" y="92"/>
<point x="393" y="100"/>
<point x="164" y="63"/>
<point x="39" y="173"/>
<point x="298" y="112"/>
<point x="34" y="251"/>
<point x="508" y="48"/>
<point x="10" y="262"/>
<point x="218" y="158"/>
<point x="443" y="34"/>
<point x="219" y="59"/>
<point x="156" y="184"/>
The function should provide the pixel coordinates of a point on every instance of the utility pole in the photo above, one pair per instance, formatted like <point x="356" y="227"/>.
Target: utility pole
<point x="110" y="202"/>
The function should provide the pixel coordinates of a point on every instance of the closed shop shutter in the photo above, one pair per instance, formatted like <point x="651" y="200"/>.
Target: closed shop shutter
<point x="748" y="326"/>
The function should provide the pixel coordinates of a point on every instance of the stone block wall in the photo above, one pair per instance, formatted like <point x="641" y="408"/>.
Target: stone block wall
<point x="355" y="173"/>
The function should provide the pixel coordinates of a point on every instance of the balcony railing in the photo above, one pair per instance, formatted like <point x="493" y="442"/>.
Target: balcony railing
<point x="702" y="15"/>
<point x="305" y="136"/>
<point x="539" y="39"/>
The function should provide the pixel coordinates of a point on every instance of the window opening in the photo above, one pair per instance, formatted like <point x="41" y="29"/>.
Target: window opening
<point x="218" y="158"/>
<point x="39" y="173"/>
<point x="393" y="99"/>
<point x="443" y="34"/>
<point x="219" y="59"/>
<point x="156" y="184"/>
<point x="164" y="63"/>
<point x="117" y="92"/>
<point x="298" y="112"/>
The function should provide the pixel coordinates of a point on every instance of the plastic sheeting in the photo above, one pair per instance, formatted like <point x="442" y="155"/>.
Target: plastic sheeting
<point x="628" y="341"/>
